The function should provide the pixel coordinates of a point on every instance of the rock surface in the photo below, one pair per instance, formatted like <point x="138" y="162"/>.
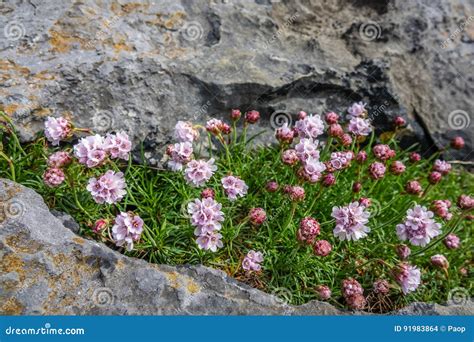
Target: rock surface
<point x="141" y="66"/>
<point x="47" y="269"/>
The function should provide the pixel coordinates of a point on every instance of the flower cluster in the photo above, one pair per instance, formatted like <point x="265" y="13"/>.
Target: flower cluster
<point x="127" y="229"/>
<point x="419" y="227"/>
<point x="353" y="293"/>
<point x="108" y="188"/>
<point x="206" y="216"/>
<point x="252" y="261"/>
<point x="234" y="187"/>
<point x="351" y="221"/>
<point x="408" y="277"/>
<point x="57" y="129"/>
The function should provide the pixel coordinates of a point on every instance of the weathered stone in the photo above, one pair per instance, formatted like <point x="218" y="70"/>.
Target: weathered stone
<point x="141" y="66"/>
<point x="47" y="269"/>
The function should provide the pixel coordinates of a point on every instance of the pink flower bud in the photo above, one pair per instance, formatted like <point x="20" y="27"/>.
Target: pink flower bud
<point x="361" y="157"/>
<point x="377" y="170"/>
<point x="257" y="216"/>
<point x="289" y="157"/>
<point x="399" y="121"/>
<point x="440" y="261"/>
<point x="322" y="248"/>
<point x="403" y="252"/>
<point x="252" y="117"/>
<point x="100" y="225"/>
<point x="413" y="187"/>
<point x="297" y="194"/>
<point x="331" y="118"/>
<point x="285" y="135"/>
<point x="457" y="143"/>
<point x="323" y="291"/>
<point x="272" y="186"/>
<point x="329" y="179"/>
<point x="397" y="167"/>
<point x="366" y="202"/>
<point x="435" y="177"/>
<point x="335" y="130"/>
<point x="308" y="230"/>
<point x="59" y="159"/>
<point x="208" y="193"/>
<point x="235" y="114"/>
<point x="381" y="286"/>
<point x="465" y="202"/>
<point x="53" y="177"/>
<point x="346" y="140"/>
<point x="415" y="157"/>
<point x="452" y="241"/>
<point x="357" y="187"/>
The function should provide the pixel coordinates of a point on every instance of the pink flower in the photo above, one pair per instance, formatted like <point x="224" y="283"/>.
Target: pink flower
<point x="53" y="177"/>
<point x="441" y="166"/>
<point x="209" y="241"/>
<point x="323" y="291"/>
<point x="308" y="230"/>
<point x="329" y="179"/>
<point x="307" y="148"/>
<point x="383" y="152"/>
<point x="419" y="227"/>
<point x="361" y="157"/>
<point x="185" y="132"/>
<point x="399" y="121"/>
<point x="356" y="302"/>
<point x="285" y="134"/>
<point x="118" y="145"/>
<point x="215" y="126"/>
<point x="351" y="287"/>
<point x="198" y="172"/>
<point x="441" y="209"/>
<point x="100" y="225"/>
<point x="408" y="277"/>
<point x="296" y="193"/>
<point x="127" y="229"/>
<point x="235" y="114"/>
<point x="234" y="187"/>
<point x="206" y="215"/>
<point x="413" y="187"/>
<point x="322" y="248"/>
<point x="452" y="241"/>
<point x="252" y="117"/>
<point x="208" y="193"/>
<point x="289" y="157"/>
<point x="312" y="169"/>
<point x="359" y="127"/>
<point x="341" y="160"/>
<point x="435" y="177"/>
<point x="377" y="170"/>
<point x="310" y="127"/>
<point x="180" y="154"/>
<point x="252" y="261"/>
<point x="397" y="167"/>
<point x="335" y="130"/>
<point x="457" y="143"/>
<point x="59" y="159"/>
<point x="381" y="286"/>
<point x="351" y="221"/>
<point x="108" y="188"/>
<point x="364" y="201"/>
<point x="403" y="251"/>
<point x="57" y="129"/>
<point x="439" y="260"/>
<point x="465" y="202"/>
<point x="331" y="118"/>
<point x="257" y="216"/>
<point x="90" y="151"/>
<point x="415" y="157"/>
<point x="272" y="186"/>
<point x="357" y="109"/>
